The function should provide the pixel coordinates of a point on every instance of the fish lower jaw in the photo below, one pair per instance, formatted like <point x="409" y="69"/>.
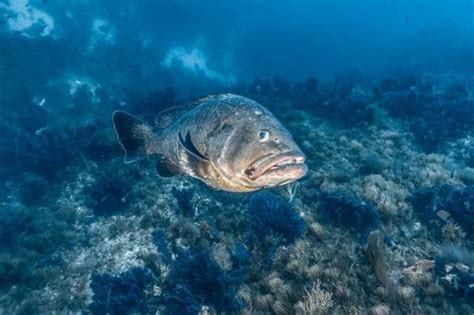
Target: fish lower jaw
<point x="282" y="175"/>
<point x="294" y="161"/>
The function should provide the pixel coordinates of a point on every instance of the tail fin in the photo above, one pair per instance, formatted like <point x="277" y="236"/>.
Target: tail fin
<point x="135" y="136"/>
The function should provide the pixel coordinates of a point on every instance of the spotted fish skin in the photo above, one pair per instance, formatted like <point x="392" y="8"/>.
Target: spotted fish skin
<point x="227" y="141"/>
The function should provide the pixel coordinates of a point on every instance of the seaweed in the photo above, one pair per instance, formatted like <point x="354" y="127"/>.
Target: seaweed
<point x="45" y="153"/>
<point x="457" y="201"/>
<point x="434" y="118"/>
<point x="109" y="194"/>
<point x="444" y="121"/>
<point x="349" y="212"/>
<point x="183" y="197"/>
<point x="197" y="280"/>
<point x="460" y="204"/>
<point x="32" y="118"/>
<point x="458" y="277"/>
<point x="426" y="201"/>
<point x="273" y="216"/>
<point x="339" y="101"/>
<point x="94" y="140"/>
<point x="13" y="224"/>
<point x="122" y="294"/>
<point x="180" y="300"/>
<point x="32" y="190"/>
<point x="395" y="84"/>
<point x="241" y="262"/>
<point x="159" y="240"/>
<point x="31" y="240"/>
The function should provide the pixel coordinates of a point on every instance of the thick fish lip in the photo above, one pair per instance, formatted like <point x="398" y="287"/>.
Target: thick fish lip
<point x="292" y="161"/>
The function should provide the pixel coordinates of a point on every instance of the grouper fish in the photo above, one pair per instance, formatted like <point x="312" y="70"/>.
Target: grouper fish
<point x="227" y="141"/>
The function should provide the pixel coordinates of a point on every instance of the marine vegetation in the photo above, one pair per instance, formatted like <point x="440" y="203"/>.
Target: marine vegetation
<point x="196" y="280"/>
<point x="271" y="216"/>
<point x="350" y="213"/>
<point x="456" y="202"/>
<point x="121" y="294"/>
<point x="180" y="158"/>
<point x="110" y="193"/>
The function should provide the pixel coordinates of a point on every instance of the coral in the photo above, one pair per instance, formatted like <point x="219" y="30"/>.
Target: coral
<point x="389" y="197"/>
<point x="378" y="258"/>
<point x="281" y="290"/>
<point x="196" y="280"/>
<point x="342" y="210"/>
<point x="121" y="294"/>
<point x="300" y="259"/>
<point x="406" y="295"/>
<point x="222" y="256"/>
<point x="317" y="230"/>
<point x="317" y="301"/>
<point x="380" y="309"/>
<point x="452" y="232"/>
<point x="272" y="215"/>
<point x="417" y="274"/>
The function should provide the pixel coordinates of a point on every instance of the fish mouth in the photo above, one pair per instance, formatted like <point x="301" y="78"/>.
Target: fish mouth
<point x="286" y="166"/>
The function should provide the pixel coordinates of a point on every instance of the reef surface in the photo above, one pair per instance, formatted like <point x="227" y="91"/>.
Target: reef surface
<point x="382" y="224"/>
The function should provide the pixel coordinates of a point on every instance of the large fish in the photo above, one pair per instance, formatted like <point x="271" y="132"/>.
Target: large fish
<point x="227" y="141"/>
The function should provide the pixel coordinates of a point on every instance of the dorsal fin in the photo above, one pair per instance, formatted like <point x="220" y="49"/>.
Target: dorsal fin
<point x="168" y="116"/>
<point x="204" y="99"/>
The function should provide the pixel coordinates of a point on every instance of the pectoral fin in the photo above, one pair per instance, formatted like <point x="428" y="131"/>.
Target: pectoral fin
<point x="194" y="162"/>
<point x="166" y="168"/>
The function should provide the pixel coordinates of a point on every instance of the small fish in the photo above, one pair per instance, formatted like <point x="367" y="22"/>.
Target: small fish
<point x="227" y="141"/>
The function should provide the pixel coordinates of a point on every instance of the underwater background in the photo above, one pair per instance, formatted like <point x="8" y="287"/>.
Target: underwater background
<point x="379" y="94"/>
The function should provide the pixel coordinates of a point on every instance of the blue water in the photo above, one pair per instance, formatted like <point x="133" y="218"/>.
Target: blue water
<point x="379" y="95"/>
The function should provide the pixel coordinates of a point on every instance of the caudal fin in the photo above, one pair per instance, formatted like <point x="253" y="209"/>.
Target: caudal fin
<point x="135" y="136"/>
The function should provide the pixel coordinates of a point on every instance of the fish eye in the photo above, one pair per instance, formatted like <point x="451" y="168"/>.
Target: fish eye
<point x="263" y="135"/>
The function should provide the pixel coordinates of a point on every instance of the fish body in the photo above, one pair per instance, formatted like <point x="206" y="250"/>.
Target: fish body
<point x="227" y="141"/>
